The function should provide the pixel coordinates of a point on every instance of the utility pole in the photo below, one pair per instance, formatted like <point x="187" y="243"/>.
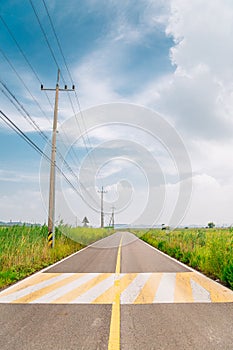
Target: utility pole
<point x="102" y="207"/>
<point x="51" y="211"/>
<point x="112" y="220"/>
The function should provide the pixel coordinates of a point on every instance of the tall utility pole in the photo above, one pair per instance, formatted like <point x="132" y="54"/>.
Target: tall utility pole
<point x="102" y="207"/>
<point x="51" y="211"/>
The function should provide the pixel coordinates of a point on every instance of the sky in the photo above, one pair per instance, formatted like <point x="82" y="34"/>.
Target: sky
<point x="151" y="119"/>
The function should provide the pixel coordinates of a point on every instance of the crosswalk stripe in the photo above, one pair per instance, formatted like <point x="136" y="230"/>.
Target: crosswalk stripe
<point x="200" y="294"/>
<point x="108" y="296"/>
<point x="166" y="289"/>
<point x="131" y="292"/>
<point x="80" y="280"/>
<point x="183" y="289"/>
<point x="95" y="291"/>
<point x="44" y="293"/>
<point x="32" y="288"/>
<point x="76" y="292"/>
<point x="147" y="294"/>
<point x="41" y="277"/>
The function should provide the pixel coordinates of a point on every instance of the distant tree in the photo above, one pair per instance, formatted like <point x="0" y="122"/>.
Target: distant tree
<point x="211" y="225"/>
<point x="85" y="222"/>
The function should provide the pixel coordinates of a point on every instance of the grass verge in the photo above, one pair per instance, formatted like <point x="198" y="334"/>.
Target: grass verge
<point x="24" y="250"/>
<point x="207" y="250"/>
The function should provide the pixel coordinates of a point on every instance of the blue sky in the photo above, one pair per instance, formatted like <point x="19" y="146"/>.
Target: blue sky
<point x="148" y="53"/>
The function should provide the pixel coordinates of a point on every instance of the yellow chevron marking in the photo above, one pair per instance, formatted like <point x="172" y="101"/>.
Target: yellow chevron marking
<point x="75" y="293"/>
<point x="218" y="293"/>
<point x="114" y="335"/>
<point x="108" y="296"/>
<point x="147" y="294"/>
<point x="183" y="289"/>
<point x="41" y="277"/>
<point x="41" y="292"/>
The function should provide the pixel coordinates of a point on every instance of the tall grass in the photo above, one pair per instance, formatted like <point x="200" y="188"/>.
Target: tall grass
<point x="24" y="250"/>
<point x="85" y="235"/>
<point x="207" y="250"/>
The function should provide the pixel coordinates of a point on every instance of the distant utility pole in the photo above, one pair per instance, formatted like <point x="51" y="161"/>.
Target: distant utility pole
<point x="102" y="207"/>
<point x="112" y="220"/>
<point x="51" y="212"/>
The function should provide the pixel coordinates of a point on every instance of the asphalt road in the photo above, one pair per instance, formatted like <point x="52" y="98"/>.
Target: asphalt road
<point x="118" y="293"/>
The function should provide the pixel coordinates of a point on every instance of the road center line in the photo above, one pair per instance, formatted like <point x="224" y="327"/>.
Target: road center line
<point x="114" y="335"/>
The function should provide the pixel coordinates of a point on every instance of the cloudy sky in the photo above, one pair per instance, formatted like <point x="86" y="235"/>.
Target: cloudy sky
<point x="154" y="82"/>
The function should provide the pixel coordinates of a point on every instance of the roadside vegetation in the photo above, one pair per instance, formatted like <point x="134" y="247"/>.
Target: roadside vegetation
<point x="206" y="250"/>
<point x="24" y="250"/>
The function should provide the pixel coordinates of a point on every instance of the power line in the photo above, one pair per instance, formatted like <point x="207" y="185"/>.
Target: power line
<point x="29" y="119"/>
<point x="44" y="33"/>
<point x="58" y="42"/>
<point x="22" y="110"/>
<point x="76" y="96"/>
<point x="15" y="128"/>
<point x="23" y="54"/>
<point x="32" y="144"/>
<point x="22" y="81"/>
<point x="56" y="62"/>
<point x="32" y="69"/>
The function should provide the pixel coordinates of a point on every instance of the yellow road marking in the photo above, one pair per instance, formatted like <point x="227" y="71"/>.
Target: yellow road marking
<point x="183" y="289"/>
<point x="108" y="296"/>
<point x="218" y="293"/>
<point x="147" y="294"/>
<point x="41" y="292"/>
<point x="75" y="293"/>
<point x="114" y="335"/>
<point x="118" y="263"/>
<point x="41" y="277"/>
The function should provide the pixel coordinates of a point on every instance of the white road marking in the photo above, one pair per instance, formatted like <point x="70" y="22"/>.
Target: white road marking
<point x="33" y="288"/>
<point x="95" y="291"/>
<point x="166" y="289"/>
<point x="59" y="292"/>
<point x="200" y="294"/>
<point x="133" y="290"/>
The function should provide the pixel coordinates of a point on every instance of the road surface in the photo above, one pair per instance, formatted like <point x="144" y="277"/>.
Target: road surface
<point x="118" y="293"/>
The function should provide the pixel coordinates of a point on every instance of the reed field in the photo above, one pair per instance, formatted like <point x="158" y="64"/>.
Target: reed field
<point x="207" y="250"/>
<point x="24" y="250"/>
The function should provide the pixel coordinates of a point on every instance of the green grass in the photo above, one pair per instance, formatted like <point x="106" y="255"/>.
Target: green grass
<point x="24" y="250"/>
<point x="207" y="250"/>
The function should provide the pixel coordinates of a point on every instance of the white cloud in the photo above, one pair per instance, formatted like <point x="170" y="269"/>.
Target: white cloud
<point x="203" y="31"/>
